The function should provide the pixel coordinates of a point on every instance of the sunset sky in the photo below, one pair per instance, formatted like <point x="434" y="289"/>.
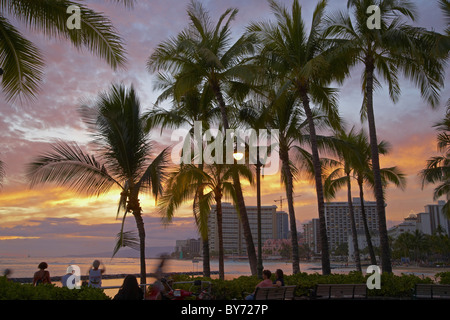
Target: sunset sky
<point x="50" y="221"/>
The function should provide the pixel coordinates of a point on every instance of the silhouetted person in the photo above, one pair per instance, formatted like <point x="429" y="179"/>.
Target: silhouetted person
<point x="41" y="276"/>
<point x="129" y="290"/>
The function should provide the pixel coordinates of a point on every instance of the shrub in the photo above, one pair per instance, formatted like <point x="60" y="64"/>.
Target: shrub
<point x="16" y="291"/>
<point x="444" y="277"/>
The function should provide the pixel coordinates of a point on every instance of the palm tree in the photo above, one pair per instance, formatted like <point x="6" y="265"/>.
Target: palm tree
<point x="22" y="61"/>
<point x="281" y="110"/>
<point x="386" y="52"/>
<point x="124" y="149"/>
<point x="257" y="119"/>
<point x="212" y="182"/>
<point x="194" y="107"/>
<point x="349" y="158"/>
<point x="355" y="147"/>
<point x="437" y="169"/>
<point x="202" y="55"/>
<point x="364" y="174"/>
<point x="303" y="62"/>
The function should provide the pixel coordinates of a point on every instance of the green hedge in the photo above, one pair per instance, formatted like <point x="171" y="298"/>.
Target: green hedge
<point x="392" y="286"/>
<point x="16" y="291"/>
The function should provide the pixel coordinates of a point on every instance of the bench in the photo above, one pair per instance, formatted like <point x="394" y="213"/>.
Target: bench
<point x="431" y="291"/>
<point x="340" y="291"/>
<point x="275" y="293"/>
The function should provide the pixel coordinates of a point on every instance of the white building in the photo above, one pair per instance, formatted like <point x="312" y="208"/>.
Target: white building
<point x="408" y="225"/>
<point x="362" y="243"/>
<point x="273" y="226"/>
<point x="433" y="217"/>
<point x="426" y="222"/>
<point x="339" y="224"/>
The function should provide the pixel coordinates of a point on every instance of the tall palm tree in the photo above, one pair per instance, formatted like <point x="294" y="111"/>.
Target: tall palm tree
<point x="364" y="175"/>
<point x="22" y="61"/>
<point x="354" y="148"/>
<point x="341" y="176"/>
<point x="202" y="55"/>
<point x="304" y="62"/>
<point x="194" y="107"/>
<point x="124" y="152"/>
<point x="394" y="48"/>
<point x="280" y="110"/>
<point x="212" y="182"/>
<point x="437" y="169"/>
<point x="257" y="119"/>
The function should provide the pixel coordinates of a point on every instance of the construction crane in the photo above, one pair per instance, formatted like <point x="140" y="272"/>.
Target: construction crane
<point x="282" y="199"/>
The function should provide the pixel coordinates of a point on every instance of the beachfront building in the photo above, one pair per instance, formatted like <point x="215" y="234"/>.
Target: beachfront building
<point x="311" y="235"/>
<point x="429" y="221"/>
<point x="362" y="244"/>
<point x="188" y="248"/>
<point x="273" y="226"/>
<point x="408" y="225"/>
<point x="338" y="220"/>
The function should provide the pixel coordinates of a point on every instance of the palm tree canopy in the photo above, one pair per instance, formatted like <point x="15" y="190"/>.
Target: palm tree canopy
<point x="302" y="60"/>
<point x="395" y="48"/>
<point x="203" y="54"/>
<point x="437" y="169"/>
<point x="22" y="61"/>
<point x="121" y="143"/>
<point x="188" y="181"/>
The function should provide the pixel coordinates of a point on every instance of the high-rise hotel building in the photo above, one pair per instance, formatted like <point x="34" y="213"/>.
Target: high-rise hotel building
<point x="274" y="225"/>
<point x="338" y="223"/>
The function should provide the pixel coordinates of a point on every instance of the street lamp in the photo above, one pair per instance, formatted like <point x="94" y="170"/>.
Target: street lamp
<point x="238" y="155"/>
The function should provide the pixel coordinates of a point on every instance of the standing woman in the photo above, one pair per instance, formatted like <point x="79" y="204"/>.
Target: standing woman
<point x="41" y="276"/>
<point x="95" y="274"/>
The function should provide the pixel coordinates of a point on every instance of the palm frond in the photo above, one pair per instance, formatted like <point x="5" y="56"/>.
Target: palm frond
<point x="118" y="130"/>
<point x="126" y="239"/>
<point x="96" y="32"/>
<point x="155" y="175"/>
<point x="67" y="165"/>
<point x="22" y="64"/>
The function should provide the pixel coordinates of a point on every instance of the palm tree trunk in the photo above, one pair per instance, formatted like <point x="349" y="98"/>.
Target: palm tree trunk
<point x="386" y="265"/>
<point x="141" y="231"/>
<point x="206" y="264"/>
<point x="258" y="204"/>
<point x="326" y="267"/>
<point x="251" y="252"/>
<point x="284" y="155"/>
<point x="373" y="259"/>
<point x="205" y="239"/>
<point x="353" y="224"/>
<point x="220" y="236"/>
